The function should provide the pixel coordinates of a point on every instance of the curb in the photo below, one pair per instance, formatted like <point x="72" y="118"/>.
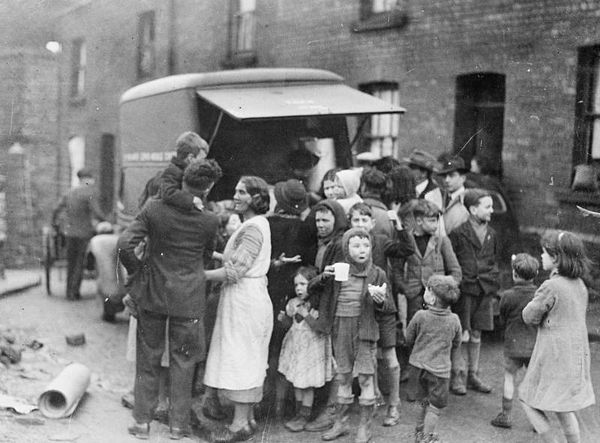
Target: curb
<point x="19" y="288"/>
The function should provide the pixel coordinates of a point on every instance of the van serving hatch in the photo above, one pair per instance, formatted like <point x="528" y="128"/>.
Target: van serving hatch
<point x="256" y="103"/>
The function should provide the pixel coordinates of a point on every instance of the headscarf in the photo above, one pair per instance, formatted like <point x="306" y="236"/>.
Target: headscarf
<point x="340" y="219"/>
<point x="350" y="181"/>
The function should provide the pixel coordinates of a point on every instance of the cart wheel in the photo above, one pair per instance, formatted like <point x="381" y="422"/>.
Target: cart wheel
<point x="48" y="260"/>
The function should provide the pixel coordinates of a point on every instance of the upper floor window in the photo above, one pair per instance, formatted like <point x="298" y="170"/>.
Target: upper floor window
<point x="146" y="55"/>
<point x="78" y="62"/>
<point x="381" y="14"/>
<point x="382" y="134"/>
<point x="244" y="23"/>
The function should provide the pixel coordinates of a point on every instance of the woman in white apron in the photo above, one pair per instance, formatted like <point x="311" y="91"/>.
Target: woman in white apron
<point x="238" y="353"/>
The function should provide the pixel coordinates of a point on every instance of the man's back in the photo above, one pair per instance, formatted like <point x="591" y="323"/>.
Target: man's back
<point x="81" y="207"/>
<point x="179" y="242"/>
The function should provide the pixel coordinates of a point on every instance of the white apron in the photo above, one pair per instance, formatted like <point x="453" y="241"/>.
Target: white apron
<point x="238" y="353"/>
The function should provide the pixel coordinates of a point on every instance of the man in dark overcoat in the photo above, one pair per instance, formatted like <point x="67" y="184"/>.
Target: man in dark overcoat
<point x="476" y="247"/>
<point x="83" y="212"/>
<point x="169" y="284"/>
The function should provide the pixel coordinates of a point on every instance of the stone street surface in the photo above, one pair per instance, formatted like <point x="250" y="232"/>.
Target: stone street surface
<point x="100" y="418"/>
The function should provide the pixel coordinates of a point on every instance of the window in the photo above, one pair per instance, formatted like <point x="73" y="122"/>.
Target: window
<point x="146" y="55"/>
<point x="243" y="26"/>
<point x="381" y="14"/>
<point x="587" y="107"/>
<point x="78" y="62"/>
<point x="382" y="133"/>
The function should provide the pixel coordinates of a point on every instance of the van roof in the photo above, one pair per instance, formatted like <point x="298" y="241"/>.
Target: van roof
<point x="238" y="77"/>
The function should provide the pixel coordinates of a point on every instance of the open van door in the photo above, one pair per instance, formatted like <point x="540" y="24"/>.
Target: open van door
<point x="253" y="120"/>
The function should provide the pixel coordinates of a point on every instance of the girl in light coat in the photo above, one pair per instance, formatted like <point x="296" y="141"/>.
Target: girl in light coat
<point x="558" y="377"/>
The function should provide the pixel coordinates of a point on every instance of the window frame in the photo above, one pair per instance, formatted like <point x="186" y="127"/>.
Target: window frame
<point x="369" y="20"/>
<point x="146" y="45"/>
<point x="240" y="57"/>
<point x="367" y="137"/>
<point x="78" y="69"/>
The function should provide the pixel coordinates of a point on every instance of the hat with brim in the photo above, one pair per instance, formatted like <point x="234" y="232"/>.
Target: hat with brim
<point x="453" y="164"/>
<point x="291" y="196"/>
<point x="422" y="159"/>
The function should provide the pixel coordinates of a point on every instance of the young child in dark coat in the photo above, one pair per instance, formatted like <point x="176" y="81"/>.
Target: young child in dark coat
<point x="190" y="147"/>
<point x="347" y="311"/>
<point x="434" y="334"/>
<point x="519" y="338"/>
<point x="382" y="247"/>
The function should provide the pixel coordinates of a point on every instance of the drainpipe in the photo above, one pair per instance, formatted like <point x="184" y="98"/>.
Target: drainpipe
<point x="172" y="60"/>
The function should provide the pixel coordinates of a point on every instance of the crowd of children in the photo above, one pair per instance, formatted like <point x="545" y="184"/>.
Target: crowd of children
<point x="388" y="291"/>
<point x="439" y="291"/>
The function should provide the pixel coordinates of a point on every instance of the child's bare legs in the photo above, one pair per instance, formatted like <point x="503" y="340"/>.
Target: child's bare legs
<point x="540" y="422"/>
<point x="391" y="372"/>
<point x="570" y="426"/>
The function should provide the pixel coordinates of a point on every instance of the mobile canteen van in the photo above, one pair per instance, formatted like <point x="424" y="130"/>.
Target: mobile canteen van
<point x="253" y="120"/>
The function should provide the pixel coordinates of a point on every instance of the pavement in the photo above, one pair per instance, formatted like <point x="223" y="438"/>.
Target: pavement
<point x="17" y="280"/>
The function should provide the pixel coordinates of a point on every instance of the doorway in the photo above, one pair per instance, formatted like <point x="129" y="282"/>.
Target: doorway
<point x="479" y="119"/>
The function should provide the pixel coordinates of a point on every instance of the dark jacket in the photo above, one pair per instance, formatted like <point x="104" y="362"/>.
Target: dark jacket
<point x="439" y="259"/>
<point x="171" y="279"/>
<point x="383" y="225"/>
<point x="328" y="291"/>
<point x="519" y="338"/>
<point x="81" y="207"/>
<point x="479" y="262"/>
<point x="170" y="186"/>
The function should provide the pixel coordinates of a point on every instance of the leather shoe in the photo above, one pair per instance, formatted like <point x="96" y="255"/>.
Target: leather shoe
<point x="475" y="383"/>
<point x="179" y="433"/>
<point x="212" y="409"/>
<point x="226" y="435"/>
<point x="140" y="430"/>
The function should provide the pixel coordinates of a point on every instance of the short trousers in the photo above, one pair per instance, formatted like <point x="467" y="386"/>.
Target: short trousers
<point x="387" y="330"/>
<point x="513" y="364"/>
<point x="352" y="355"/>
<point x="476" y="313"/>
<point x="430" y="387"/>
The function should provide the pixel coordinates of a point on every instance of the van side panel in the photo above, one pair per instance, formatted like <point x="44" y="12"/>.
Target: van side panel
<point x="149" y="127"/>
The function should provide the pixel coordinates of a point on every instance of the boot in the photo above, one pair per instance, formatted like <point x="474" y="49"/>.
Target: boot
<point x="364" y="434"/>
<point x="298" y="423"/>
<point x="340" y="425"/>
<point x="475" y="383"/>
<point x="419" y="435"/>
<point x="323" y="421"/>
<point x="502" y="420"/>
<point x="392" y="416"/>
<point x="458" y="382"/>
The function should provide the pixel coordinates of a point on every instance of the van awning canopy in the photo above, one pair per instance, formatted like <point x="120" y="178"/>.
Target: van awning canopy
<point x="257" y="103"/>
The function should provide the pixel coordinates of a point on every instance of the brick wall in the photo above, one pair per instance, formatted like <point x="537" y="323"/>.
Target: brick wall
<point x="533" y="43"/>
<point x="28" y="121"/>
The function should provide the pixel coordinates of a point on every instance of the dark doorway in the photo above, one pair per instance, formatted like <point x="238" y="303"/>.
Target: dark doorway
<point x="107" y="172"/>
<point x="479" y="119"/>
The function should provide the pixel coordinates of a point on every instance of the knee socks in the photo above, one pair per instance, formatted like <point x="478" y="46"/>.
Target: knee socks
<point x="473" y="348"/>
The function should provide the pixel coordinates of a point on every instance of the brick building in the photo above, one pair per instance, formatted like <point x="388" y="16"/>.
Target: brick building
<point x="512" y="81"/>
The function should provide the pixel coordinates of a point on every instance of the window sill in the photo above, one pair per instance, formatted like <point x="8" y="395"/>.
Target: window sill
<point x="77" y="100"/>
<point x="578" y="197"/>
<point x="383" y="20"/>
<point x="244" y="59"/>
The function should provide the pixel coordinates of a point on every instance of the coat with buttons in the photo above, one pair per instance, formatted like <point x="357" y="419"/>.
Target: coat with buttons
<point x="479" y="262"/>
